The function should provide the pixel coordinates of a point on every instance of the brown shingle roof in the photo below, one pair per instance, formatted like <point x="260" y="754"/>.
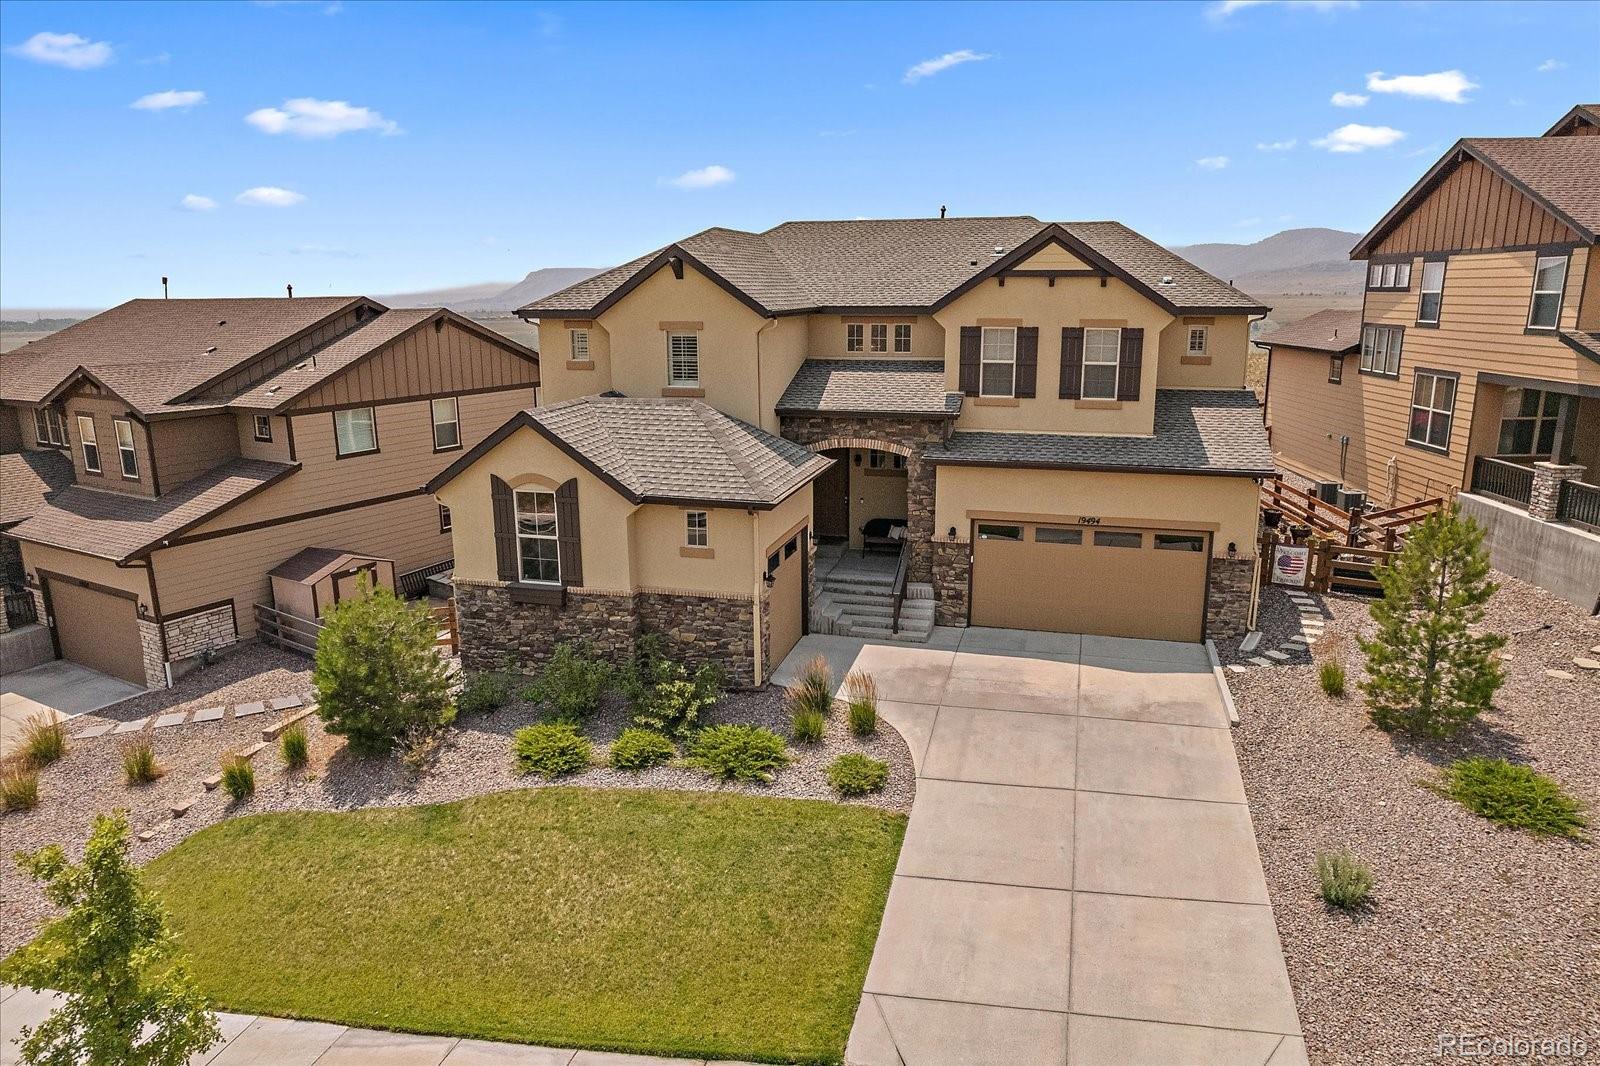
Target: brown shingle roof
<point x="906" y="264"/>
<point x="1326" y="331"/>
<point x="1580" y="115"/>
<point x="151" y="351"/>
<point x="1584" y="342"/>
<point x="1197" y="431"/>
<point x="27" y="479"/>
<point x="331" y="358"/>
<point x="118" y="525"/>
<point x="869" y="387"/>
<point x="310" y="565"/>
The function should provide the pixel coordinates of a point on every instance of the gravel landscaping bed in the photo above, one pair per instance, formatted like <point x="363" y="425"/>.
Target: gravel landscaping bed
<point x="474" y="759"/>
<point x="1475" y="928"/>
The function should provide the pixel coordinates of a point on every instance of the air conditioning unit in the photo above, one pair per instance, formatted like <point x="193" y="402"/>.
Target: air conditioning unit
<point x="1350" y="499"/>
<point x="1326" y="491"/>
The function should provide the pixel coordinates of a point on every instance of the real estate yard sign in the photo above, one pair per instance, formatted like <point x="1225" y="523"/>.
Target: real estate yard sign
<point x="1289" y="564"/>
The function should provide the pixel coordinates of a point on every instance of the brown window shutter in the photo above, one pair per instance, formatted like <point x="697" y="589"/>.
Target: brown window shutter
<point x="1071" y="362"/>
<point x="567" y="540"/>
<point x="505" y="529"/>
<point x="971" y="357"/>
<point x="1027" y="361"/>
<point x="1130" y="363"/>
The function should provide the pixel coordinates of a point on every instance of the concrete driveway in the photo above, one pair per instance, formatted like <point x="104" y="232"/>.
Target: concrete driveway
<point x="57" y="689"/>
<point x="1079" y="882"/>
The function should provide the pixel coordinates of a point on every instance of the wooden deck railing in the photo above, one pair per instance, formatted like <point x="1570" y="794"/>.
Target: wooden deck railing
<point x="449" y="632"/>
<point x="1505" y="481"/>
<point x="1384" y="529"/>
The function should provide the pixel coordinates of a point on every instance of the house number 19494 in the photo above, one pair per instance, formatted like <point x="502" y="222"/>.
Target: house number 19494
<point x="1088" y="520"/>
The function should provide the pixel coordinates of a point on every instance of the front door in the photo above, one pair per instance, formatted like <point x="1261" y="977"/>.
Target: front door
<point x="830" y="498"/>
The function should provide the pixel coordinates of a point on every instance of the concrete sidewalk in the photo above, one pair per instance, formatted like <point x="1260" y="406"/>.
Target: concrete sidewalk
<point x="251" y="1041"/>
<point x="1079" y="882"/>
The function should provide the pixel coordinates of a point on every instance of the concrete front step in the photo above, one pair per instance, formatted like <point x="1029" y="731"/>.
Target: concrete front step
<point x="908" y="609"/>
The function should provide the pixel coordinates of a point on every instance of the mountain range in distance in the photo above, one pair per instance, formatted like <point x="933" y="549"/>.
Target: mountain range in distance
<point x="494" y="299"/>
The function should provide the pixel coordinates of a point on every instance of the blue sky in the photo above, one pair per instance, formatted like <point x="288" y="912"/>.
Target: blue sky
<point x="414" y="145"/>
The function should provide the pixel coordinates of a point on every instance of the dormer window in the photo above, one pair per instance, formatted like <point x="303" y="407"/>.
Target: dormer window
<point x="880" y="336"/>
<point x="1197" y="340"/>
<point x="683" y="360"/>
<point x="49" y="427"/>
<point x="263" y="428"/>
<point x="855" y="337"/>
<point x="88" y="444"/>
<point x="580" y="345"/>
<point x="126" y="455"/>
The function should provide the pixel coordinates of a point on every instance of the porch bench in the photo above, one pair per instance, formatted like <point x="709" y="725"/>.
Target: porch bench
<point x="886" y="534"/>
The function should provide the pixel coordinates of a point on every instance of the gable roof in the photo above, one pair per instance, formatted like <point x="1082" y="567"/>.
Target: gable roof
<point x="904" y="265"/>
<point x="1326" y="331"/>
<point x="1559" y="174"/>
<point x="870" y="387"/>
<point x="663" y="451"/>
<point x="310" y="565"/>
<point x="28" y="479"/>
<point x="1580" y="116"/>
<point x="121" y="525"/>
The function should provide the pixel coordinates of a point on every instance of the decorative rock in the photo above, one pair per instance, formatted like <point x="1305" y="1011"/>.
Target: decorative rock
<point x="131" y="727"/>
<point x="245" y="710"/>
<point x="1297" y="639"/>
<point x="147" y="835"/>
<point x="283" y="703"/>
<point x="1278" y="655"/>
<point x="212" y="782"/>
<point x="181" y="808"/>
<point x="1259" y="661"/>
<point x="209" y="714"/>
<point x="273" y="731"/>
<point x="249" y="753"/>
<point x="1561" y="675"/>
<point x="1587" y="664"/>
<point x="1596" y="649"/>
<point x="93" y="731"/>
<point x="169" y="720"/>
<point x="1236" y="668"/>
<point x="1251" y="639"/>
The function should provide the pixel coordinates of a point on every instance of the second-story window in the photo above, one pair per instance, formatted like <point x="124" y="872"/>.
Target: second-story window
<point x="126" y="456"/>
<point x="999" y="361"/>
<point x="880" y="336"/>
<point x="855" y="337"/>
<point x="1197" y="340"/>
<point x="263" y="428"/>
<point x="683" y="359"/>
<point x="902" y="337"/>
<point x="446" y="424"/>
<point x="89" y="444"/>
<point x="1433" y="404"/>
<point x="355" y="432"/>
<point x="580" y="346"/>
<point x="48" y="428"/>
<point x="1335" y="369"/>
<point x="1432" y="293"/>
<point x="1549" y="279"/>
<point x="697" y="529"/>
<point x="1391" y="276"/>
<point x="1380" y="350"/>
<point x="1100" y="347"/>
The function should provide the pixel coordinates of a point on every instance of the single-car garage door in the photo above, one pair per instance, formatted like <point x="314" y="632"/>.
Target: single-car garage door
<point x="97" y="629"/>
<point x="1110" y="580"/>
<point x="786" y="566"/>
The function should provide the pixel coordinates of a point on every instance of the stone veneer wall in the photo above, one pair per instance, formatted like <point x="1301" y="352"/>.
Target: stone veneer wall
<point x="498" y="634"/>
<point x="911" y="434"/>
<point x="201" y="631"/>
<point x="1230" y="590"/>
<point x="155" y="673"/>
<point x="952" y="580"/>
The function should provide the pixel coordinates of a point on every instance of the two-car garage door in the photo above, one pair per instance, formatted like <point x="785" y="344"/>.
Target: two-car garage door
<point x="1113" y="581"/>
<point x="97" y="629"/>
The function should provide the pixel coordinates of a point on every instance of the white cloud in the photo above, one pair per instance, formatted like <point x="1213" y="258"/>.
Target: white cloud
<point x="929" y="67"/>
<point x="1277" y="146"/>
<point x="172" y="98"/>
<point x="1212" y="162"/>
<point x="311" y="118"/>
<point x="1451" y="86"/>
<point x="1348" y="100"/>
<point x="703" y="178"/>
<point x="1224" y="8"/>
<point x="1358" y="138"/>
<point x="64" y="50"/>
<point x="1550" y="65"/>
<point x="196" y="202"/>
<point x="269" y="196"/>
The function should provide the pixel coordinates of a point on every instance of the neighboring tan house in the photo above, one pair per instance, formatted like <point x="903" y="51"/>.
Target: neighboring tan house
<point x="1051" y="416"/>
<point x="1479" y="363"/>
<point x="1313" y="397"/>
<point x="209" y="441"/>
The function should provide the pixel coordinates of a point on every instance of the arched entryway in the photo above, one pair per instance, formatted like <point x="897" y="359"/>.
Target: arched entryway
<point x="861" y="502"/>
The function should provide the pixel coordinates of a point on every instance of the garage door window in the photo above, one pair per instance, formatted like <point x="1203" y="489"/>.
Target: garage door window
<point x="1105" y="538"/>
<point x="999" y="532"/>
<point x="1053" y="535"/>
<point x="1180" y="542"/>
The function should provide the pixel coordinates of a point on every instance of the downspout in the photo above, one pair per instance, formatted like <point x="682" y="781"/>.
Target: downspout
<point x="1266" y="388"/>
<point x="760" y="411"/>
<point x="760" y="586"/>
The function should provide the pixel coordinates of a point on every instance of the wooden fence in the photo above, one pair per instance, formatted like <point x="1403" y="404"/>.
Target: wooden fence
<point x="1384" y="529"/>
<point x="300" y="634"/>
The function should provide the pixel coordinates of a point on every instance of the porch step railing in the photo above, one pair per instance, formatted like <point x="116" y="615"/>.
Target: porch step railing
<point x="1508" y="482"/>
<point x="898" y="590"/>
<point x="1580" y="505"/>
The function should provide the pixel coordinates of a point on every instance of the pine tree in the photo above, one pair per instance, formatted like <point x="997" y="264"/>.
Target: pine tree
<point x="378" y="675"/>
<point x="129" y="1000"/>
<point x="1427" y="671"/>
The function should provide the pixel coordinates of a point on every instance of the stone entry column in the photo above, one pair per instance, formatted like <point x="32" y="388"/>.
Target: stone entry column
<point x="1544" y="502"/>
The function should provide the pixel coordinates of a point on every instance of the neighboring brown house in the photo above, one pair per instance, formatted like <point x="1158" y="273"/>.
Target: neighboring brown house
<point x="1311" y="378"/>
<point x="1479" y="363"/>
<point x="211" y="440"/>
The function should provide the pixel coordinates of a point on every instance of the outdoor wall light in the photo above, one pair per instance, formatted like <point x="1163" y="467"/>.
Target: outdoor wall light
<point x="952" y="532"/>
<point x="858" y="458"/>
<point x="769" y="578"/>
<point x="1233" y="550"/>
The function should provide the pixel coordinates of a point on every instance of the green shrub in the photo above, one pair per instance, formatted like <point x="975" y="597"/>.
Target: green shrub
<point x="856" y="775"/>
<point x="1345" y="880"/>
<point x="483" y="692"/>
<point x="550" y="749"/>
<point x="862" y="692"/>
<point x="238" y="778"/>
<point x="640" y="749"/>
<point x="139" y="763"/>
<point x="571" y="683"/>
<point x="44" y="740"/>
<point x="663" y="695"/>
<point x="294" y="746"/>
<point x="808" y="726"/>
<point x="738" y="752"/>
<point x="1331" y="677"/>
<point x="1513" y="795"/>
<point x="19" y="788"/>
<point x="377" y="672"/>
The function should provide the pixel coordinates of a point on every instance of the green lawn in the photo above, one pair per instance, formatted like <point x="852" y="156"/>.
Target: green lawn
<point x="674" y="923"/>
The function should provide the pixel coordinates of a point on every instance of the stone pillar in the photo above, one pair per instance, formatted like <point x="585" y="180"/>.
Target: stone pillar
<point x="952" y="579"/>
<point x="1229" y="592"/>
<point x="1544" y="502"/>
<point x="155" y="672"/>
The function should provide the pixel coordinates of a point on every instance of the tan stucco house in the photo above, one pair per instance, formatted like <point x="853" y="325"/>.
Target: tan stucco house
<point x="165" y="456"/>
<point x="1049" y="419"/>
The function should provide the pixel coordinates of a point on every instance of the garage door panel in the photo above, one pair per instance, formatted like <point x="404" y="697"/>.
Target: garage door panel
<point x="97" y="630"/>
<point x="1104" y="581"/>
